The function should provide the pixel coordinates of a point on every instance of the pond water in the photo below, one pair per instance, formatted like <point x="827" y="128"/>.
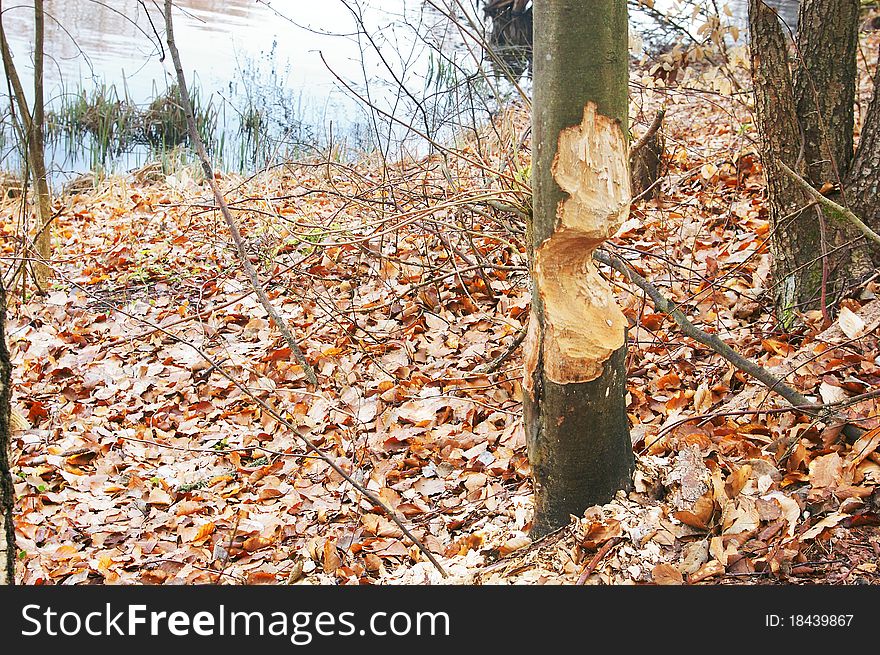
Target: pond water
<point x="787" y="10"/>
<point x="283" y="64"/>
<point x="272" y="71"/>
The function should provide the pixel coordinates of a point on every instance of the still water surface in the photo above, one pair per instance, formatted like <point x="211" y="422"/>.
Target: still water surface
<point x="285" y="57"/>
<point x="290" y="58"/>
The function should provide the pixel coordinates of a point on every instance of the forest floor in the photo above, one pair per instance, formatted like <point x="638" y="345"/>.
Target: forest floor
<point x="145" y="453"/>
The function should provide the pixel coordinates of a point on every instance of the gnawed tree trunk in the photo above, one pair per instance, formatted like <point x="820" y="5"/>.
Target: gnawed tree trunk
<point x="574" y="402"/>
<point x="32" y="132"/>
<point x="7" y="492"/>
<point x="646" y="160"/>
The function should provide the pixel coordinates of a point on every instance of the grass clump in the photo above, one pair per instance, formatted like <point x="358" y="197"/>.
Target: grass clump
<point x="105" y="123"/>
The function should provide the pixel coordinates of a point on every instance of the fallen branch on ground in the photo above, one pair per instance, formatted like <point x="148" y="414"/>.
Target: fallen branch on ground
<point x="498" y="361"/>
<point x="589" y="567"/>
<point x="653" y="128"/>
<point x="277" y="415"/>
<point x="713" y="341"/>
<point x="261" y="294"/>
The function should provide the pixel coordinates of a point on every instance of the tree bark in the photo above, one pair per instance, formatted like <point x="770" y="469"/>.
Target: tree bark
<point x="646" y="160"/>
<point x="575" y="380"/>
<point x="806" y="122"/>
<point x="825" y="89"/>
<point x="825" y="86"/>
<point x="32" y="131"/>
<point x="863" y="181"/>
<point x="38" y="160"/>
<point x="795" y="228"/>
<point x="7" y="491"/>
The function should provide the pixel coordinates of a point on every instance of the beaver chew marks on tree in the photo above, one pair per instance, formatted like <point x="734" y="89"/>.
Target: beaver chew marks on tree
<point x="583" y="324"/>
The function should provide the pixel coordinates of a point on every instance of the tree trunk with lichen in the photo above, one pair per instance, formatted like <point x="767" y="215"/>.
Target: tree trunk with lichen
<point x="825" y="79"/>
<point x="797" y="272"/>
<point x="7" y="491"/>
<point x="824" y="83"/>
<point x="575" y="379"/>
<point x="805" y="118"/>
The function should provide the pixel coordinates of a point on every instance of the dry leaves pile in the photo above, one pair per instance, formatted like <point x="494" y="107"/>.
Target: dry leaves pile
<point x="141" y="461"/>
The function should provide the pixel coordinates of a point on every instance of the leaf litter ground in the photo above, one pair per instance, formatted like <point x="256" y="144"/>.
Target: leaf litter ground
<point x="141" y="461"/>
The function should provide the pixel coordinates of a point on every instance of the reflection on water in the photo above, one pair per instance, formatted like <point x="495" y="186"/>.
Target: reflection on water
<point x="117" y="40"/>
<point x="120" y="40"/>
<point x="271" y="63"/>
<point x="274" y="64"/>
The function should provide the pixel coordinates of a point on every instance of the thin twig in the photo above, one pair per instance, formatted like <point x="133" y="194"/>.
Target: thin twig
<point x="30" y="245"/>
<point x="274" y="413"/>
<point x="210" y="310"/>
<point x="587" y="571"/>
<point x="652" y="130"/>
<point x="224" y="208"/>
<point x="496" y="363"/>
<point x="228" y="551"/>
<point x="216" y="451"/>
<point x="703" y="418"/>
<point x="504" y="207"/>
<point x="713" y="341"/>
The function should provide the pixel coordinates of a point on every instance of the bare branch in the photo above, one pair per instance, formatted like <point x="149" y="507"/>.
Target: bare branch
<point x="832" y="209"/>
<point x="713" y="341"/>
<point x="251" y="272"/>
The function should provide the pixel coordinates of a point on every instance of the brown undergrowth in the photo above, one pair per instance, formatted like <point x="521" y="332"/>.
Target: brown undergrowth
<point x="139" y="460"/>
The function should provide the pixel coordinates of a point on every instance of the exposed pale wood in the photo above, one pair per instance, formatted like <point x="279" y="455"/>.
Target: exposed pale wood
<point x="574" y="407"/>
<point x="583" y="324"/>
